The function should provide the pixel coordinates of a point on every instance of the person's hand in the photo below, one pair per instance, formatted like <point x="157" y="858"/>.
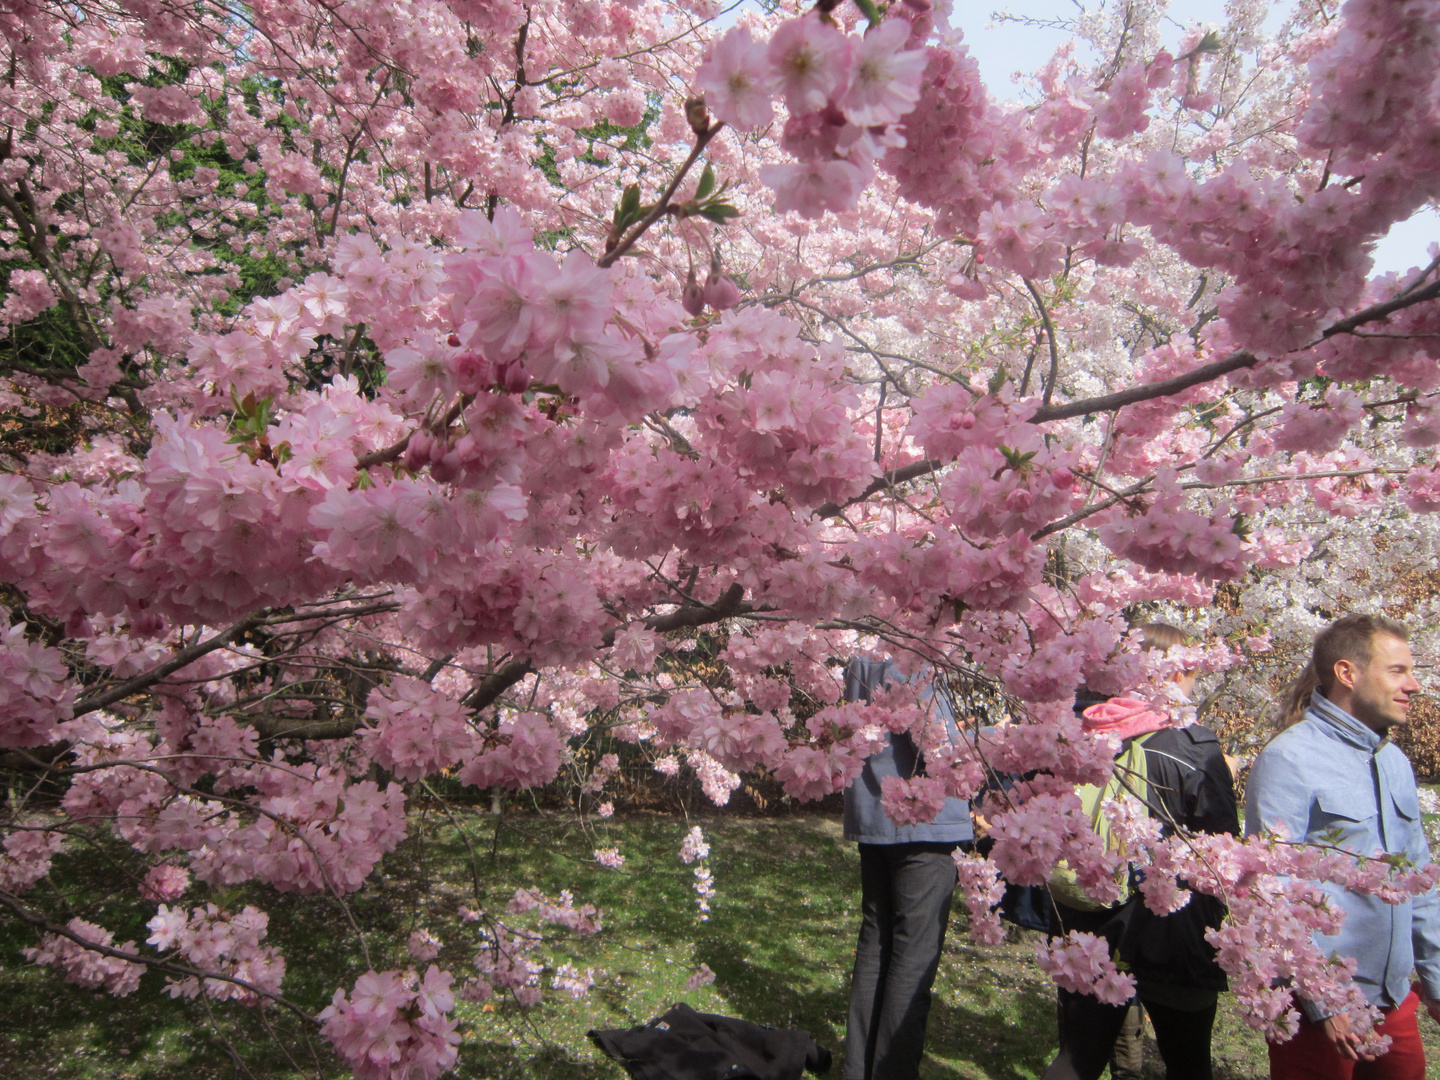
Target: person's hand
<point x="1347" y="1044"/>
<point x="1432" y="1006"/>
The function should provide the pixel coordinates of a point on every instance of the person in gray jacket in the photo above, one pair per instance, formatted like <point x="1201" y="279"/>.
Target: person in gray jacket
<point x="1335" y="777"/>
<point x="907" y="879"/>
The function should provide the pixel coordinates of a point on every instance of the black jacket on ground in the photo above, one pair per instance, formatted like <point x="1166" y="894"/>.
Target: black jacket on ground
<point x="687" y="1045"/>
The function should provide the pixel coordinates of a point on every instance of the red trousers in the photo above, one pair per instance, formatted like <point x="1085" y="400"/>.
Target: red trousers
<point x="1311" y="1056"/>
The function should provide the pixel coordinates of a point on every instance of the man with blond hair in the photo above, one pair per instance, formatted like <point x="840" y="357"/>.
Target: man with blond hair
<point x="1333" y="776"/>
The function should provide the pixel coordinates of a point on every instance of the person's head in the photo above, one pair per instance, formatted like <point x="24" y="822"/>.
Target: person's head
<point x="1363" y="664"/>
<point x="1163" y="636"/>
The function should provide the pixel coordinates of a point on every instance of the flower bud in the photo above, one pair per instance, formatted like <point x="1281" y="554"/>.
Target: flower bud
<point x="693" y="298"/>
<point x="512" y="377"/>
<point x="147" y="624"/>
<point x="696" y="115"/>
<point x="453" y="341"/>
<point x="417" y="450"/>
<point x="720" y="291"/>
<point x="446" y="468"/>
<point x="472" y="372"/>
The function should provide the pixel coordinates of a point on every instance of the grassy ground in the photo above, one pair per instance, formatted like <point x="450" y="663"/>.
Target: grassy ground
<point x="780" y="941"/>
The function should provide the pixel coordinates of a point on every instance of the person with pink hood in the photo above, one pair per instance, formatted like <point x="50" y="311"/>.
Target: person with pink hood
<point x="1191" y="788"/>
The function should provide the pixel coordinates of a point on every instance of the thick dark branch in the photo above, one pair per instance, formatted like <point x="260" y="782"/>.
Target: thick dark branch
<point x="882" y="482"/>
<point x="1379" y="311"/>
<point x="270" y="727"/>
<point x="38" y="921"/>
<point x="1236" y="361"/>
<point x="496" y="683"/>
<point x="727" y="606"/>
<point x="184" y="657"/>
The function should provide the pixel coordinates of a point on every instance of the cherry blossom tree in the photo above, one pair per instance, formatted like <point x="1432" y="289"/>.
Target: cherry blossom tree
<point x="398" y="391"/>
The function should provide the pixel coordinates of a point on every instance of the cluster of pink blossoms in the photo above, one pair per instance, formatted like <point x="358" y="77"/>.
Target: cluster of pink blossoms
<point x="506" y="961"/>
<point x="694" y="848"/>
<point x="530" y="756"/>
<point x="1080" y="962"/>
<point x="35" y="690"/>
<point x="86" y="967"/>
<point x="310" y="829"/>
<point x="223" y="943"/>
<point x="417" y="730"/>
<point x="1169" y="536"/>
<point x="843" y="95"/>
<point x="983" y="888"/>
<point x="26" y="857"/>
<point x="394" y="1026"/>
<point x="520" y="315"/>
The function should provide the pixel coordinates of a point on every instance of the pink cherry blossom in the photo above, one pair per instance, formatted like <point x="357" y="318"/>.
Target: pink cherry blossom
<point x="738" y="81"/>
<point x="811" y="62"/>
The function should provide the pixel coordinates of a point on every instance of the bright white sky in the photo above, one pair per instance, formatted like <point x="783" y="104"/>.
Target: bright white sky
<point x="1003" y="48"/>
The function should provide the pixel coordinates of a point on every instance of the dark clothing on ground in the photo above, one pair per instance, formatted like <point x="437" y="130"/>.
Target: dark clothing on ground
<point x="688" y="1045"/>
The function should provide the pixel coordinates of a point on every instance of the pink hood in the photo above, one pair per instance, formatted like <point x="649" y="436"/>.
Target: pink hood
<point x="1124" y="718"/>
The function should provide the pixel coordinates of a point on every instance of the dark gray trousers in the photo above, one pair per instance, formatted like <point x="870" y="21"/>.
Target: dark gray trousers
<point x="905" y="892"/>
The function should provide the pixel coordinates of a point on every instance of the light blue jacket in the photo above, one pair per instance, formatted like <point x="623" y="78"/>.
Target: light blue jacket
<point x="865" y="820"/>
<point x="1332" y="778"/>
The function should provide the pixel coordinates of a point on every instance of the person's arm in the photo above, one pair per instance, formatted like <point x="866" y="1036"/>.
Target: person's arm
<point x="1347" y="1044"/>
<point x="1278" y="798"/>
<point x="1425" y="921"/>
<point x="1212" y="806"/>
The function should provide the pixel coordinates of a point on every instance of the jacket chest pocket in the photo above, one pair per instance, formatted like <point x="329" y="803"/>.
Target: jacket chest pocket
<point x="1346" y="816"/>
<point x="1406" y="803"/>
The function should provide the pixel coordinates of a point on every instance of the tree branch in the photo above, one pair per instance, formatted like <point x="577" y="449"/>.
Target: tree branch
<point x="24" y="914"/>
<point x="1050" y="337"/>
<point x="702" y="139"/>
<point x="181" y="659"/>
<point x="1236" y="361"/>
<point x="1379" y="311"/>
<point x="885" y="480"/>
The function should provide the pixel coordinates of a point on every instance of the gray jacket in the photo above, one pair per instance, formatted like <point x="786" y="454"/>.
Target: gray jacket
<point x="865" y="821"/>
<point x="1331" y="778"/>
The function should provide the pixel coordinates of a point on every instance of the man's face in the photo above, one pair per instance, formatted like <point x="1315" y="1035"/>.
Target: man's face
<point x="1380" y="691"/>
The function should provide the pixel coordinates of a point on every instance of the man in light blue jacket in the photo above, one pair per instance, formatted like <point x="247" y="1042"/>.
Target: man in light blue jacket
<point x="1334" y="777"/>
<point x="907" y="878"/>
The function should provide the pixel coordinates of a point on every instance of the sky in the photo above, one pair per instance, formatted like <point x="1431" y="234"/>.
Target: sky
<point x="1003" y="47"/>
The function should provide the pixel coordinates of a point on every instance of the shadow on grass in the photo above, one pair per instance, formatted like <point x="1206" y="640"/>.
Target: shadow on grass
<point x="780" y="940"/>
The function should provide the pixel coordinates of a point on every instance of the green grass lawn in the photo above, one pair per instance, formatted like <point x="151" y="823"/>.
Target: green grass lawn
<point x="779" y="939"/>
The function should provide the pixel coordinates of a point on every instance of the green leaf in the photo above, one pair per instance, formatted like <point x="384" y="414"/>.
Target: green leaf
<point x="707" y="182"/>
<point x="1210" y="43"/>
<point x="719" y="213"/>
<point x="997" y="380"/>
<point x="630" y="203"/>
